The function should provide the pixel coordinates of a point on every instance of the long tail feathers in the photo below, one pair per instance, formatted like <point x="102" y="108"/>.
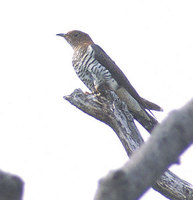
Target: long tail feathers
<point x="151" y="106"/>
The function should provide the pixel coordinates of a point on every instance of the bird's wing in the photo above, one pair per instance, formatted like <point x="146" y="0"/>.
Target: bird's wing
<point x="116" y="73"/>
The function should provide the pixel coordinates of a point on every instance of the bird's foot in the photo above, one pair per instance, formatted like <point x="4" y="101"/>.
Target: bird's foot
<point x="95" y="96"/>
<point x="98" y="94"/>
<point x="96" y="99"/>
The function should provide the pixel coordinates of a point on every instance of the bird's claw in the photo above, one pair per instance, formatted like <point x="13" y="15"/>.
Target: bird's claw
<point x="97" y="94"/>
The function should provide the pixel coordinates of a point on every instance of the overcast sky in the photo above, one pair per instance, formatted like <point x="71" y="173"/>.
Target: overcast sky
<point x="60" y="152"/>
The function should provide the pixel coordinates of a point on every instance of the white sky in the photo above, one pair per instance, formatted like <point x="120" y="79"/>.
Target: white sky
<point x="59" y="151"/>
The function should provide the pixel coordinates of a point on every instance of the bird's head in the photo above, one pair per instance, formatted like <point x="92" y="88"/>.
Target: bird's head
<point x="77" y="38"/>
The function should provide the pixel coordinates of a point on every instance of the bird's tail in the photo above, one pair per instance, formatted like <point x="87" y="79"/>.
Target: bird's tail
<point x="132" y="104"/>
<point x="151" y="106"/>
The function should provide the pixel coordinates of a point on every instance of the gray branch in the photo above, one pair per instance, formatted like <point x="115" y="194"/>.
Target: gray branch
<point x="117" y="185"/>
<point x="11" y="187"/>
<point x="163" y="148"/>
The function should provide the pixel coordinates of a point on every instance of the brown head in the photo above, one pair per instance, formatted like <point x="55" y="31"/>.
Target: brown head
<point x="77" y="38"/>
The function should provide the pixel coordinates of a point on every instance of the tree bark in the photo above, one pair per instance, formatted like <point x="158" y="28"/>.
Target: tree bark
<point x="116" y="115"/>
<point x="163" y="148"/>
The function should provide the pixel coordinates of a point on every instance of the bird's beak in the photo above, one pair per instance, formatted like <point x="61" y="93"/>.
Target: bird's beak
<point x="61" y="35"/>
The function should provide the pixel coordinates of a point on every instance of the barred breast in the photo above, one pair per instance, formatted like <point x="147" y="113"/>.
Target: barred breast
<point x="90" y="71"/>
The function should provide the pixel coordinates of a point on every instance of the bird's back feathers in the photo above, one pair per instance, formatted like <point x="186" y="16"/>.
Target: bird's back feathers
<point x="101" y="56"/>
<point x="115" y="71"/>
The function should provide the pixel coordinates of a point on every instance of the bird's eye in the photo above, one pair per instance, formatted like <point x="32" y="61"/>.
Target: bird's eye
<point x="76" y="35"/>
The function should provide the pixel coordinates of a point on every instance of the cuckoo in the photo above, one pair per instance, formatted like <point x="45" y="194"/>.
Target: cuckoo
<point x="99" y="73"/>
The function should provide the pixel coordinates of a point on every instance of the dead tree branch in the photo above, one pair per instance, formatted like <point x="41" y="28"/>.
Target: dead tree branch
<point x="163" y="148"/>
<point x="11" y="187"/>
<point x="118" y="117"/>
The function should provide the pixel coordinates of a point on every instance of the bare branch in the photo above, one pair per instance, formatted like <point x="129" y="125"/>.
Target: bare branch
<point x="11" y="187"/>
<point x="104" y="110"/>
<point x="121" y="121"/>
<point x="167" y="142"/>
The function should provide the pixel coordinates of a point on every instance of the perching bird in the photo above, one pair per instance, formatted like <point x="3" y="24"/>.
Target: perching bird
<point x="99" y="72"/>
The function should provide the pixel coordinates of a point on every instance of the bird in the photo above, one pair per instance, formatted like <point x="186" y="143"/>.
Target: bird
<point x="100" y="73"/>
